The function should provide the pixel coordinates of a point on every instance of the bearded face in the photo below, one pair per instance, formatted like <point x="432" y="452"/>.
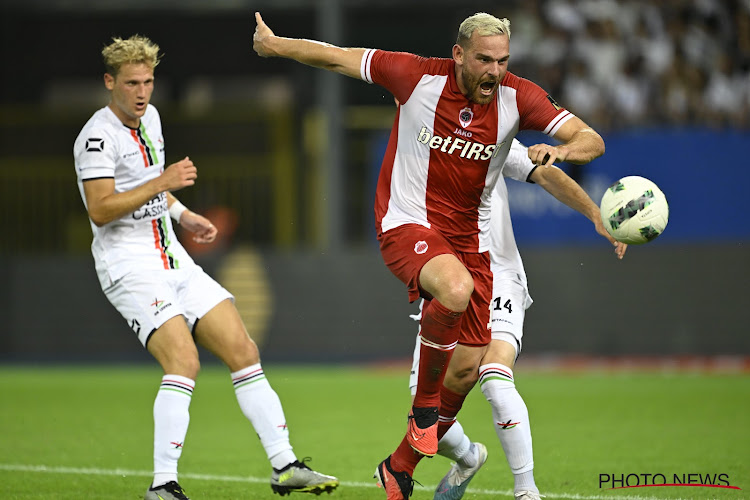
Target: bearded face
<point x="481" y="66"/>
<point x="479" y="88"/>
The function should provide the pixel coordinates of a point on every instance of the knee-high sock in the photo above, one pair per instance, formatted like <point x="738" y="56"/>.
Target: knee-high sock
<point x="405" y="458"/>
<point x="455" y="445"/>
<point x="261" y="405"/>
<point x="511" y="421"/>
<point x="439" y="333"/>
<point x="171" y="419"/>
<point x="450" y="404"/>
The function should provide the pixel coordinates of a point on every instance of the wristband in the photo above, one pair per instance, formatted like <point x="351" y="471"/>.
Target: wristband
<point x="176" y="209"/>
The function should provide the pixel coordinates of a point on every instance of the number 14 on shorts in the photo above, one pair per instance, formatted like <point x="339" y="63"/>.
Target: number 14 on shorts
<point x="499" y="305"/>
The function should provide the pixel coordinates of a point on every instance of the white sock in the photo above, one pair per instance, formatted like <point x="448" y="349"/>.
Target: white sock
<point x="261" y="405"/>
<point x="171" y="419"/>
<point x="455" y="444"/>
<point x="511" y="419"/>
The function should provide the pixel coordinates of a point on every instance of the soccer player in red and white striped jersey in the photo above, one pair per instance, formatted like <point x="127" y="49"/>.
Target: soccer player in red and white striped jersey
<point x="455" y="124"/>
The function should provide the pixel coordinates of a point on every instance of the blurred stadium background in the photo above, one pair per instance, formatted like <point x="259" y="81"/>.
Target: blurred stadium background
<point x="288" y="157"/>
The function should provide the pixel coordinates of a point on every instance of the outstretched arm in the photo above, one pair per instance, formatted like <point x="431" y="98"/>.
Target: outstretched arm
<point x="561" y="186"/>
<point x="313" y="53"/>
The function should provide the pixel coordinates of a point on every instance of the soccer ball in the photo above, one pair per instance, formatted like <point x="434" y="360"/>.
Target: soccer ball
<point x="634" y="210"/>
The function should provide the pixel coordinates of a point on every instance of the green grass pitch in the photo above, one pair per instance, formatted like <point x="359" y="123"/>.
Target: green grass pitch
<point x="86" y="432"/>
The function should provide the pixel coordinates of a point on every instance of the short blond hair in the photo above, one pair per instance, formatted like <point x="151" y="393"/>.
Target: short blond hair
<point x="134" y="50"/>
<point x="484" y="24"/>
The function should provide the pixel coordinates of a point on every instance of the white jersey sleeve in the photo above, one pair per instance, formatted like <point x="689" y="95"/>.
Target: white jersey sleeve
<point x="518" y="166"/>
<point x="95" y="153"/>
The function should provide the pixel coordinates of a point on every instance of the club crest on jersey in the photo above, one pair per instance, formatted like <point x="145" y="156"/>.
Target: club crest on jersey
<point x="465" y="116"/>
<point x="421" y="247"/>
<point x="95" y="144"/>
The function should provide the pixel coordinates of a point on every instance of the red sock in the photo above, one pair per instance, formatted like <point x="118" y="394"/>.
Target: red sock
<point x="450" y="404"/>
<point x="440" y="329"/>
<point x="405" y="458"/>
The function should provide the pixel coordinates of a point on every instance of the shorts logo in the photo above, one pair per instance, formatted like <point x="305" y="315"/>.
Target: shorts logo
<point x="95" y="144"/>
<point x="421" y="247"/>
<point x="160" y="306"/>
<point x="465" y="116"/>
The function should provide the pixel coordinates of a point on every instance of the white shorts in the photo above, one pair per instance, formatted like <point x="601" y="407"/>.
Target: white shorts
<point x="148" y="299"/>
<point x="510" y="299"/>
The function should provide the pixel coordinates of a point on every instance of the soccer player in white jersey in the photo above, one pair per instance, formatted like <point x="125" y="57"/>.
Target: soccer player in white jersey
<point x="168" y="301"/>
<point x="510" y="299"/>
<point x="451" y="135"/>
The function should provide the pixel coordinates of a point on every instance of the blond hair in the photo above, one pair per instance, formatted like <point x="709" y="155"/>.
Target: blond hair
<point x="134" y="50"/>
<point x="484" y="24"/>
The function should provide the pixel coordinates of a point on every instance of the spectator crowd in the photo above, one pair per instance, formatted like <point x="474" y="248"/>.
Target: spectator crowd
<point x="623" y="63"/>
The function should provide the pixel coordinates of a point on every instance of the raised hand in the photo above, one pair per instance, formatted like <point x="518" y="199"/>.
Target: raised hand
<point x="179" y="175"/>
<point x="261" y="36"/>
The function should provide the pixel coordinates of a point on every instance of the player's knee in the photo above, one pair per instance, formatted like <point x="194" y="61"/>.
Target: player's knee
<point x="457" y="292"/>
<point x="242" y="355"/>
<point x="186" y="366"/>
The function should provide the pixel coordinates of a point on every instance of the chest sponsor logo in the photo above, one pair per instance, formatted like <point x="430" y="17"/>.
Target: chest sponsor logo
<point x="95" y="144"/>
<point x="469" y="150"/>
<point x="465" y="116"/>
<point x="155" y="207"/>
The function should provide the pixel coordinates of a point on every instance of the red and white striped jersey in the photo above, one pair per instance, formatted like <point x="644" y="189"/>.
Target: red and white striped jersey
<point x="445" y="153"/>
<point x="145" y="238"/>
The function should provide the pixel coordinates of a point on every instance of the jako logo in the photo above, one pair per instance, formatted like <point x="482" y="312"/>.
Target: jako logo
<point x="421" y="247"/>
<point x="468" y="149"/>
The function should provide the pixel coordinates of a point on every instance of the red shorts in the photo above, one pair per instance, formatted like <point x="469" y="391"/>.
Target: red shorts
<point x="406" y="249"/>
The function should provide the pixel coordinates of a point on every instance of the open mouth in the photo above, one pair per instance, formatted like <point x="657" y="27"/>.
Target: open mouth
<point x="486" y="88"/>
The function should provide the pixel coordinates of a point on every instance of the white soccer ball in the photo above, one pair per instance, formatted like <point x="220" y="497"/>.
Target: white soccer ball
<point x="634" y="210"/>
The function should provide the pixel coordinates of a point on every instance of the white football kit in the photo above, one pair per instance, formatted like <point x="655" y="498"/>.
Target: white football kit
<point x="144" y="271"/>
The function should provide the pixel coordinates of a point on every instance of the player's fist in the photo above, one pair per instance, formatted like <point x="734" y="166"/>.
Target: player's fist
<point x="180" y="174"/>
<point x="261" y="37"/>
<point x="544" y="154"/>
